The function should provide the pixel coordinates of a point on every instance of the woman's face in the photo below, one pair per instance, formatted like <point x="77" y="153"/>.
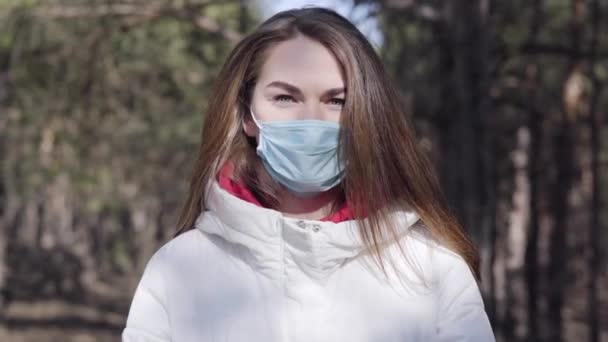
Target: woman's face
<point x="299" y="80"/>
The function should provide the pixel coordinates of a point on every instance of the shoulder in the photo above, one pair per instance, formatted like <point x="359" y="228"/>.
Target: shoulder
<point x="421" y="241"/>
<point x="435" y="261"/>
<point x="184" y="243"/>
<point x="192" y="257"/>
<point x="451" y="273"/>
<point x="171" y="252"/>
<point x="196" y="248"/>
<point x="187" y="249"/>
<point x="460" y="305"/>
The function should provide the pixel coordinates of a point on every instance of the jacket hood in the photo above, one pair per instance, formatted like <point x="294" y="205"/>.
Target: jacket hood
<point x="275" y="241"/>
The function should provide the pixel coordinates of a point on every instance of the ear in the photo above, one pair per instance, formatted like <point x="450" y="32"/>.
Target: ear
<point x="249" y="127"/>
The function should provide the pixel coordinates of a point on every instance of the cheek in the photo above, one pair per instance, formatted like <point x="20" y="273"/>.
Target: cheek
<point x="334" y="115"/>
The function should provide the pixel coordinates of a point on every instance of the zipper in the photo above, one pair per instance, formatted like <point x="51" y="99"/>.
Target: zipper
<point x="284" y="320"/>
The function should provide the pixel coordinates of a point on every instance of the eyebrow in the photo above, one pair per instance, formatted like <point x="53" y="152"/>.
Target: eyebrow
<point x="296" y="91"/>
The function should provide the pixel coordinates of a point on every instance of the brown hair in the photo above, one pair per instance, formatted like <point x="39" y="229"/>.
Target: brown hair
<point x="385" y="169"/>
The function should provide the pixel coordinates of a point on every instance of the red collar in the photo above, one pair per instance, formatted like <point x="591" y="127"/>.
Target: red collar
<point x="226" y="182"/>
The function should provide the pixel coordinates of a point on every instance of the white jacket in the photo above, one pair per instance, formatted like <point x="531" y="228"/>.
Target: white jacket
<point x="247" y="273"/>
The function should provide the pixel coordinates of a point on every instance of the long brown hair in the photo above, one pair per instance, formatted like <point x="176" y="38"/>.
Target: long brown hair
<point x="385" y="168"/>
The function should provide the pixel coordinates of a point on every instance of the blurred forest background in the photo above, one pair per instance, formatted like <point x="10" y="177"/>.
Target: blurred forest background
<point x="100" y="112"/>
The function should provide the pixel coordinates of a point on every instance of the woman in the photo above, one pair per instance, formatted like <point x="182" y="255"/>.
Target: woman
<point x="312" y="213"/>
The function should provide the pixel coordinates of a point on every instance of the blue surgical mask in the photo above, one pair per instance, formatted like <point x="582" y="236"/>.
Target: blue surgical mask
<point x="301" y="154"/>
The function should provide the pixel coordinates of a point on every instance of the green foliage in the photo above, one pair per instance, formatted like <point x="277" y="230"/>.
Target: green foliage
<point x="112" y="102"/>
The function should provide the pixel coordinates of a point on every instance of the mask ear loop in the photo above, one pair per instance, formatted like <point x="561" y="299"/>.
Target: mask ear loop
<point x="253" y="117"/>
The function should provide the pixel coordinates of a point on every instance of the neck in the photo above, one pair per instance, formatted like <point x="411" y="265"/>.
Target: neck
<point x="313" y="208"/>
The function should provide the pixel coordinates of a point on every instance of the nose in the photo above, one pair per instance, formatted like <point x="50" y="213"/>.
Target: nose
<point x="313" y="111"/>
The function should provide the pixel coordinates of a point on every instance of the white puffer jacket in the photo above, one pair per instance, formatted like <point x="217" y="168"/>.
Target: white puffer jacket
<point x="247" y="273"/>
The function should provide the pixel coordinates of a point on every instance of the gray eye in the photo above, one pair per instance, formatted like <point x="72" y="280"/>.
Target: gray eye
<point x="283" y="98"/>
<point x="337" y="101"/>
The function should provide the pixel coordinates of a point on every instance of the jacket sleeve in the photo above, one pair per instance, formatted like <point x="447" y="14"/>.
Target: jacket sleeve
<point x="461" y="313"/>
<point x="148" y="320"/>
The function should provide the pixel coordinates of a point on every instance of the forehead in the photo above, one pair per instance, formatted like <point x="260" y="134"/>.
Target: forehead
<point x="301" y="61"/>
